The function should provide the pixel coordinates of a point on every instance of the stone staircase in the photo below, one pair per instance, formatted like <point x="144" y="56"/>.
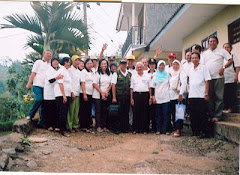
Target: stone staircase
<point x="229" y="128"/>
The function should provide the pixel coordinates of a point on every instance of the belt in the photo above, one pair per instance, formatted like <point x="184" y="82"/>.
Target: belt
<point x="140" y="92"/>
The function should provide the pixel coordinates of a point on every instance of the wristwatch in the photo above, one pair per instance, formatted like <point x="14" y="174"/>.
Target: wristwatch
<point x="224" y="67"/>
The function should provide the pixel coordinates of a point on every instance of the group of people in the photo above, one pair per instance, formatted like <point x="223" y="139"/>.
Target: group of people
<point x="146" y="92"/>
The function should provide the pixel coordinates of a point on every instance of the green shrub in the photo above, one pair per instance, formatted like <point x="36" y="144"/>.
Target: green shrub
<point x="6" y="126"/>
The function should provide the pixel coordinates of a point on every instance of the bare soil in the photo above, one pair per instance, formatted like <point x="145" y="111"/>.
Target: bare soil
<point x="129" y="153"/>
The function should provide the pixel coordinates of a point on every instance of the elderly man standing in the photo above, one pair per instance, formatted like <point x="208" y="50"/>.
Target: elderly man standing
<point x="140" y="95"/>
<point x="213" y="58"/>
<point x="121" y="94"/>
<point x="37" y="77"/>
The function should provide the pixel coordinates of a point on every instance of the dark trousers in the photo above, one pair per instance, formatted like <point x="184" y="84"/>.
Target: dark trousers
<point x="230" y="94"/>
<point x="140" y="116"/>
<point x="151" y="117"/>
<point x="37" y="104"/>
<point x="50" y="113"/>
<point x="198" y="116"/>
<point x="161" y="117"/>
<point x="216" y="91"/>
<point x="101" y="112"/>
<point x="62" y="111"/>
<point x="85" y="112"/>
<point x="179" y="123"/>
<point x="124" y="102"/>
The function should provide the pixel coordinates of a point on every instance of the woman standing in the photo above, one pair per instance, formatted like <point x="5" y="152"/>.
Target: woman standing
<point x="81" y="65"/>
<point x="231" y="79"/>
<point x="102" y="86"/>
<point x="152" y="63"/>
<point x="198" y="94"/>
<point x="161" y="97"/>
<point x="85" y="116"/>
<point x="75" y="74"/>
<point x="176" y="79"/>
<point x="63" y="93"/>
<point x="140" y="92"/>
<point x="48" y="94"/>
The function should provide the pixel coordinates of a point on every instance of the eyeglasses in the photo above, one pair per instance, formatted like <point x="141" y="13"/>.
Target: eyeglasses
<point x="111" y="60"/>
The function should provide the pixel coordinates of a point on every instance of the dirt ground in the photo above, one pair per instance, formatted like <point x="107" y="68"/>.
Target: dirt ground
<point x="128" y="153"/>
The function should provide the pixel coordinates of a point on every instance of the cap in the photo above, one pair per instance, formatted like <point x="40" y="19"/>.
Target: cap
<point x="131" y="57"/>
<point x="74" y="57"/>
<point x="123" y="61"/>
<point x="94" y="58"/>
<point x="152" y="61"/>
<point x="171" y="54"/>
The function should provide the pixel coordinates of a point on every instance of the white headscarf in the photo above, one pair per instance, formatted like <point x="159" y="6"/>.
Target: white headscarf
<point x="172" y="72"/>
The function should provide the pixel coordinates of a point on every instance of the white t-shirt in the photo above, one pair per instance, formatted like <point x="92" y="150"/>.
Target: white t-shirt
<point x="161" y="92"/>
<point x="187" y="66"/>
<point x="48" y="93"/>
<point x="40" y="67"/>
<point x="67" y="81"/>
<point x="229" y="72"/>
<point x="140" y="83"/>
<point x="132" y="71"/>
<point x="75" y="75"/>
<point x="173" y="82"/>
<point x="87" y="77"/>
<point x="197" y="79"/>
<point x="168" y="68"/>
<point x="214" y="61"/>
<point x="104" y="80"/>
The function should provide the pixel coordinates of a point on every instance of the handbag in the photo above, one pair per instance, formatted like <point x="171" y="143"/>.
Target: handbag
<point x="180" y="111"/>
<point x="177" y="84"/>
<point x="113" y="109"/>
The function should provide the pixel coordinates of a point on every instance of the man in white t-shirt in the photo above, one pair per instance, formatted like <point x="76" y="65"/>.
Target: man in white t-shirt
<point x="37" y="77"/>
<point x="213" y="59"/>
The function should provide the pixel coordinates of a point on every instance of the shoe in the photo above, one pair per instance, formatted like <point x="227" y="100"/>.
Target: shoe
<point x="134" y="132"/>
<point x="116" y="132"/>
<point x="99" y="129"/>
<point x="157" y="133"/>
<point x="214" y="119"/>
<point x="228" y="111"/>
<point x="57" y="129"/>
<point x="28" y="118"/>
<point x="167" y="133"/>
<point x="145" y="133"/>
<point x="76" y="129"/>
<point x="72" y="131"/>
<point x="65" y="134"/>
<point x="105" y="130"/>
<point x="176" y="134"/>
<point x="50" y="128"/>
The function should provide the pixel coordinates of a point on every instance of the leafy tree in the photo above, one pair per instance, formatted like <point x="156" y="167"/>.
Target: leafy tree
<point x="56" y="26"/>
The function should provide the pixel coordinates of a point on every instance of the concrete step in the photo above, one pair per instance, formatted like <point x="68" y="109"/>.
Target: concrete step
<point x="228" y="130"/>
<point x="231" y="117"/>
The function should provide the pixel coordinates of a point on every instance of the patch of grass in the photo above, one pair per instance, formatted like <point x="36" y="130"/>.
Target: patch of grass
<point x="6" y="126"/>
<point x="155" y="152"/>
<point x="26" y="141"/>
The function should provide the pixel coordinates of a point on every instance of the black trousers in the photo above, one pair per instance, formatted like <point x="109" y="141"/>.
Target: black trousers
<point x="198" y="115"/>
<point x="50" y="113"/>
<point x="230" y="95"/>
<point x="124" y="102"/>
<point x="85" y="112"/>
<point x="140" y="116"/>
<point x="151" y="117"/>
<point x="101" y="112"/>
<point x="62" y="110"/>
<point x="179" y="123"/>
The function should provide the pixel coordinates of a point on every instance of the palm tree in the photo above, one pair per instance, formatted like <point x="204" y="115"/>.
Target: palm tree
<point x="56" y="26"/>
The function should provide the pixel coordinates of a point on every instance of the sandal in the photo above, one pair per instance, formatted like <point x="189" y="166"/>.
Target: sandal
<point x="105" y="130"/>
<point x="57" y="129"/>
<point x="176" y="135"/>
<point x="99" y="129"/>
<point x="65" y="134"/>
<point x="50" y="128"/>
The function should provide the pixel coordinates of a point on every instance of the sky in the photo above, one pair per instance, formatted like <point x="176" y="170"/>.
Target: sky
<point x="101" y="20"/>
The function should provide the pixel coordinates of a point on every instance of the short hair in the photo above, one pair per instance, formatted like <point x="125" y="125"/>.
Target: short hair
<point x="230" y="45"/>
<point x="213" y="37"/>
<point x="64" y="60"/>
<point x="85" y="63"/>
<point x="139" y="62"/>
<point x="198" y="47"/>
<point x="100" y="69"/>
<point x="46" y="51"/>
<point x="196" y="53"/>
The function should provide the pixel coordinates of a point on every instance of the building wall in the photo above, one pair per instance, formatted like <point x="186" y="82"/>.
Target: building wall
<point x="218" y="23"/>
<point x="157" y="15"/>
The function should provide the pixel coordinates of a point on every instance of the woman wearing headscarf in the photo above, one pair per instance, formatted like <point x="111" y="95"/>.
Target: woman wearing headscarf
<point x="177" y="77"/>
<point x="63" y="93"/>
<point x="48" y="94"/>
<point x="85" y="115"/>
<point x="161" y="97"/>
